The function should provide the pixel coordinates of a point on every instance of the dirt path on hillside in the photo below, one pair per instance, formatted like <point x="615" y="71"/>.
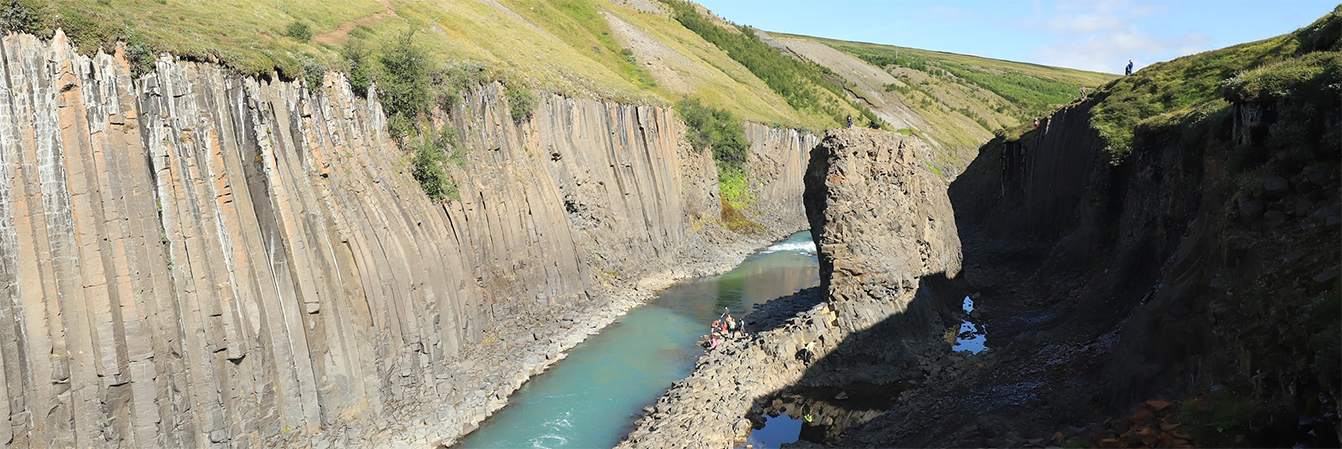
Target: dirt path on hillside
<point x="341" y="33"/>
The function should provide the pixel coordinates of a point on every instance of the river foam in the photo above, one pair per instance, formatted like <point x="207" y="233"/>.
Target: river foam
<point x="807" y="247"/>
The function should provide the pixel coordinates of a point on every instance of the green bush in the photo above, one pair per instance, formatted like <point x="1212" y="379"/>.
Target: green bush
<point x="892" y="87"/>
<point x="400" y="127"/>
<point x="403" y="86"/>
<point x="429" y="154"/>
<point x="299" y="30"/>
<point x="360" y="65"/>
<point x="140" y="55"/>
<point x="734" y="185"/>
<point x="521" y="103"/>
<point x="716" y="129"/>
<point x="313" y="72"/>
<point x="722" y="133"/>
<point x="25" y="16"/>
<point x="455" y="79"/>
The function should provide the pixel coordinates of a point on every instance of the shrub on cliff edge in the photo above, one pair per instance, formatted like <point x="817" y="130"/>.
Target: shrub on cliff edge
<point x="25" y="16"/>
<point x="715" y="129"/>
<point x="360" y="65"/>
<point x="430" y="153"/>
<point x="403" y="87"/>
<point x="521" y="103"/>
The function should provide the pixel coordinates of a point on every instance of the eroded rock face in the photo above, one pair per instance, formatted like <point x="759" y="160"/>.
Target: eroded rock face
<point x="194" y="259"/>
<point x="881" y="223"/>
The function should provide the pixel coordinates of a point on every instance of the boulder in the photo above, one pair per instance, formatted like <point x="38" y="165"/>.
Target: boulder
<point x="1275" y="185"/>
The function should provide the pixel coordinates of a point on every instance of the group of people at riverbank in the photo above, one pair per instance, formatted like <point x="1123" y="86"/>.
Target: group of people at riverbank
<point x="724" y="328"/>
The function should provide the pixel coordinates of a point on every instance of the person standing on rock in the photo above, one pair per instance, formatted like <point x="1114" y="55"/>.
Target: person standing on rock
<point x="731" y="327"/>
<point x="808" y="353"/>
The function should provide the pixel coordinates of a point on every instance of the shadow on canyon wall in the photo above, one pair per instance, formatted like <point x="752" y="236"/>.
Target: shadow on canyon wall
<point x="1032" y="215"/>
<point x="1102" y="286"/>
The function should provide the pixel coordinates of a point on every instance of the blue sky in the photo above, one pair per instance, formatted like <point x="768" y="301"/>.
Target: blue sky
<point x="1092" y="35"/>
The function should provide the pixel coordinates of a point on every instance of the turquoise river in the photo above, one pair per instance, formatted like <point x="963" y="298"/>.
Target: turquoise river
<point x="591" y="398"/>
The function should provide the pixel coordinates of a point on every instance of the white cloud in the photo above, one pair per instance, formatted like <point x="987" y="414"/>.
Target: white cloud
<point x="1103" y="36"/>
<point x="1085" y="23"/>
<point x="1110" y="52"/>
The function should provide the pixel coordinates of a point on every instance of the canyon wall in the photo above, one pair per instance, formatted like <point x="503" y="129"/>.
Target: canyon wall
<point x="1198" y="264"/>
<point x="192" y="258"/>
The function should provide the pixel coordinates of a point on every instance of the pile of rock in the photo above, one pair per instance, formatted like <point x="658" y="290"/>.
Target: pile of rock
<point x="708" y="408"/>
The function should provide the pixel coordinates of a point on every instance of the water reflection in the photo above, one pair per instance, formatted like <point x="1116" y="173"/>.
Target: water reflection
<point x="777" y="431"/>
<point x="972" y="336"/>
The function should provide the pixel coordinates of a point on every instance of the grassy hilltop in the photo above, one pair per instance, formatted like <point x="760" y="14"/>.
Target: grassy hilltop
<point x="956" y="102"/>
<point x="583" y="48"/>
<point x="668" y="52"/>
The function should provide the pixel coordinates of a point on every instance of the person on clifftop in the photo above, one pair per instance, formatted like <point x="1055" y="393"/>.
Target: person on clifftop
<point x="1128" y="71"/>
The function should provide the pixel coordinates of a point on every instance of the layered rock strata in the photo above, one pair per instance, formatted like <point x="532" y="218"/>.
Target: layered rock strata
<point x="196" y="259"/>
<point x="882" y="224"/>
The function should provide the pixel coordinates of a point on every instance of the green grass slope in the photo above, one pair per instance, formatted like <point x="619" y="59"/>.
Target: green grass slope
<point x="580" y="48"/>
<point x="651" y="52"/>
<point x="1196" y="89"/>
<point x="958" y="101"/>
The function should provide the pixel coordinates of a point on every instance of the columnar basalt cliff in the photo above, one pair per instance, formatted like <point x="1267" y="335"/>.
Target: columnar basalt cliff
<point x="887" y="243"/>
<point x="881" y="222"/>
<point x="193" y="258"/>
